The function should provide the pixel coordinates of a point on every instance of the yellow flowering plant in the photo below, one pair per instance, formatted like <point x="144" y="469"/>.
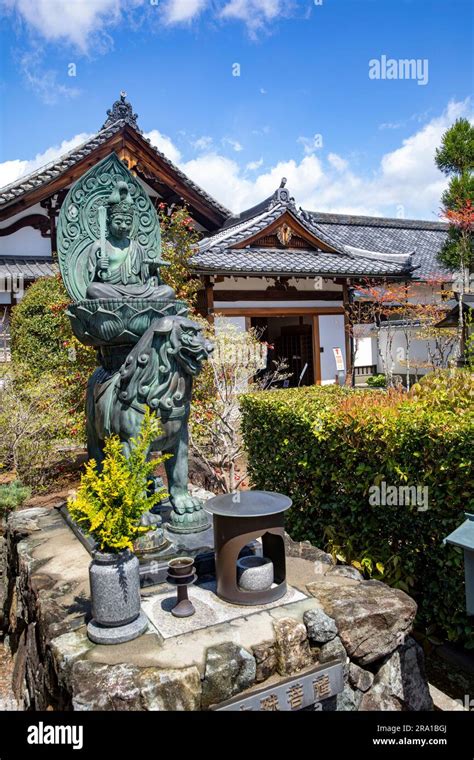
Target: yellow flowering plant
<point x="109" y="504"/>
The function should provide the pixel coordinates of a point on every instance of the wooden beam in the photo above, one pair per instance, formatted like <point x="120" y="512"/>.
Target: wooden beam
<point x="37" y="221"/>
<point x="316" y="350"/>
<point x="280" y="311"/>
<point x="274" y="295"/>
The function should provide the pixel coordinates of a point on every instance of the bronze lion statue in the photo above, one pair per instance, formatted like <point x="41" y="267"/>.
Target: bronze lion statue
<point x="157" y="373"/>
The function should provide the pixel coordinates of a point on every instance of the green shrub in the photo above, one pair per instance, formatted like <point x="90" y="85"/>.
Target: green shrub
<point x="42" y="342"/>
<point x="33" y="424"/>
<point x="326" y="447"/>
<point x="110" y="503"/>
<point x="12" y="496"/>
<point x="377" y="381"/>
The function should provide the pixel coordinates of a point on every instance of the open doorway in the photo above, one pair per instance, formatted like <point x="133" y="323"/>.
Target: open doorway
<point x="289" y="338"/>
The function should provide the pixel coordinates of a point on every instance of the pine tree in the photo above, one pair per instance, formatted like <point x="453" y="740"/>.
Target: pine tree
<point x="455" y="158"/>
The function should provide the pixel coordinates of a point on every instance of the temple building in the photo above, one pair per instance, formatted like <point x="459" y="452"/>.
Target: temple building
<point x="287" y="271"/>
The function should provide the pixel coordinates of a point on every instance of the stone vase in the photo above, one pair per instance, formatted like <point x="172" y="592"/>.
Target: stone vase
<point x="115" y="596"/>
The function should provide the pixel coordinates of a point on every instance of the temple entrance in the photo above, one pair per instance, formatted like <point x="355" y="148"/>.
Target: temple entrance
<point x="289" y="338"/>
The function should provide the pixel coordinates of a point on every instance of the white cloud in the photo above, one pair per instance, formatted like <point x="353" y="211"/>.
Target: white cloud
<point x="74" y="22"/>
<point x="165" y="144"/>
<point x="44" y="81"/>
<point x="310" y="144"/>
<point x="234" y="144"/>
<point x="202" y="143"/>
<point x="13" y="170"/>
<point x="391" y="125"/>
<point x="406" y="176"/>
<point x="88" y="24"/>
<point x="255" y="13"/>
<point x="179" y="11"/>
<point x="340" y="164"/>
<point x="254" y="165"/>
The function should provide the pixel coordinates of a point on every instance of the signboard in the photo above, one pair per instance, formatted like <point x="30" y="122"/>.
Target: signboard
<point x="291" y="694"/>
<point x="339" y="359"/>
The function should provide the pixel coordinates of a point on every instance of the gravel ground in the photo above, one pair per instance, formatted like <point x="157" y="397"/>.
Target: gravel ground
<point x="7" y="700"/>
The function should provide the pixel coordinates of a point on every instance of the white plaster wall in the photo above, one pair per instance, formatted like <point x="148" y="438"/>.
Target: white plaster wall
<point x="331" y="335"/>
<point x="366" y="351"/>
<point x="418" y="353"/>
<point x="26" y="242"/>
<point x="239" y="322"/>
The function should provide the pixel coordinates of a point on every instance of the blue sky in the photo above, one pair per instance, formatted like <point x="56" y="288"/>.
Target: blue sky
<point x="304" y="71"/>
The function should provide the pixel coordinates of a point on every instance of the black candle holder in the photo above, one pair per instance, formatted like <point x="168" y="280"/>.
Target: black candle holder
<point x="182" y="574"/>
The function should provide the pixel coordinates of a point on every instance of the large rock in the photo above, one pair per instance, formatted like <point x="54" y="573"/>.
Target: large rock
<point x="403" y="676"/>
<point x="303" y="549"/>
<point x="348" y="700"/>
<point x="170" y="690"/>
<point x="229" y="669"/>
<point x="125" y="687"/>
<point x="347" y="571"/>
<point x="372" y="619"/>
<point x="104" y="687"/>
<point x="378" y="698"/>
<point x="332" y="650"/>
<point x="360" y="679"/>
<point x="292" y="645"/>
<point x="266" y="660"/>
<point x="320" y="627"/>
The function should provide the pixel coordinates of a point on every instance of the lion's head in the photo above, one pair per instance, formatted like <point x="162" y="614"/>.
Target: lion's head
<point x="190" y="347"/>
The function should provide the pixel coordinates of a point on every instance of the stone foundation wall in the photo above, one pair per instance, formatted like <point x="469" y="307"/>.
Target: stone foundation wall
<point x="364" y="624"/>
<point x="3" y="576"/>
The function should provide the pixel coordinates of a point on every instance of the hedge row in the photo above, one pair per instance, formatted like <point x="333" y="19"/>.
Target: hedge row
<point x="327" y="446"/>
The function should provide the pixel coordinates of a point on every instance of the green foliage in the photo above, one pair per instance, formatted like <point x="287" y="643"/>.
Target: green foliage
<point x="326" y="447"/>
<point x="377" y="381"/>
<point x="455" y="158"/>
<point x="456" y="154"/>
<point x="12" y="496"/>
<point x="42" y="342"/>
<point x="178" y="238"/>
<point x="33" y="421"/>
<point x="110" y="503"/>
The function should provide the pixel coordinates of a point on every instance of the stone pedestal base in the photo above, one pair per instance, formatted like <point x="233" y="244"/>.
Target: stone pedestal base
<point x="99" y="634"/>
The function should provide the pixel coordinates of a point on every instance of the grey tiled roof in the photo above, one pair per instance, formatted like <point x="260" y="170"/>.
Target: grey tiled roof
<point x="275" y="261"/>
<point x="423" y="239"/>
<point x="29" y="269"/>
<point x="217" y="252"/>
<point x="45" y="174"/>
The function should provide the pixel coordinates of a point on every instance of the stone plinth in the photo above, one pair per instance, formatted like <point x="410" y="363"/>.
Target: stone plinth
<point x="206" y="660"/>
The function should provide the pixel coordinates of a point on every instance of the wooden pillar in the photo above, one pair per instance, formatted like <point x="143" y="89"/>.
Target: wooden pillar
<point x="209" y="298"/>
<point x="316" y="350"/>
<point x="349" y="341"/>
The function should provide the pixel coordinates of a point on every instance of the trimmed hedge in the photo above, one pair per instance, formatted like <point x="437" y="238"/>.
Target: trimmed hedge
<point x="326" y="446"/>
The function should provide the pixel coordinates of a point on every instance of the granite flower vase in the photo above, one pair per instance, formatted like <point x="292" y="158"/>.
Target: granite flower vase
<point x="115" y="595"/>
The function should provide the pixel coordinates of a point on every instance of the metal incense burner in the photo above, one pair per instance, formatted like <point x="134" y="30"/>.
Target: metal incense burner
<point x="182" y="574"/>
<point x="239" y="519"/>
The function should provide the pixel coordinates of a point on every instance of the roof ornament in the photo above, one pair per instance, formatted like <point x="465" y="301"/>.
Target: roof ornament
<point x="121" y="111"/>
<point x="282" y="195"/>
